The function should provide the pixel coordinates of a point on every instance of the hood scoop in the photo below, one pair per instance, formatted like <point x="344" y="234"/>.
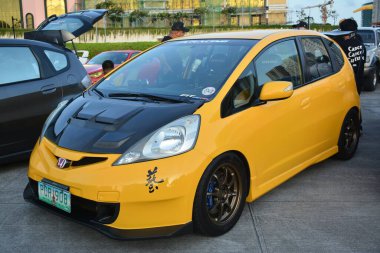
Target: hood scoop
<point x="108" y="115"/>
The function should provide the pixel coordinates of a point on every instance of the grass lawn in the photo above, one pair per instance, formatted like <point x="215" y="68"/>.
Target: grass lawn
<point x="96" y="48"/>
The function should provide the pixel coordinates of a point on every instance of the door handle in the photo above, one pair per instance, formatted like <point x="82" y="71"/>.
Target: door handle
<point x="48" y="89"/>
<point x="305" y="103"/>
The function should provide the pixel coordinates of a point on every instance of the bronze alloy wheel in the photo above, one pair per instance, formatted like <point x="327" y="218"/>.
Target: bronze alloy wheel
<point x="223" y="194"/>
<point x="220" y="197"/>
<point x="350" y="135"/>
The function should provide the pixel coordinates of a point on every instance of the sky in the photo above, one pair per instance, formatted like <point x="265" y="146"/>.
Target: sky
<point x="344" y="9"/>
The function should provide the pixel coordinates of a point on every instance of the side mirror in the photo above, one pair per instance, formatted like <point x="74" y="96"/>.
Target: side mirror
<point x="276" y="90"/>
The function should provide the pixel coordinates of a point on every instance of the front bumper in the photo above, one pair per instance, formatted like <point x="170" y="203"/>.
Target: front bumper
<point x="143" y="210"/>
<point x="368" y="70"/>
<point x="83" y="215"/>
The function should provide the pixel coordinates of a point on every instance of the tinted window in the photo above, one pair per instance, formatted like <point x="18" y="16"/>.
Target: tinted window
<point x="368" y="37"/>
<point x="134" y="54"/>
<point x="279" y="62"/>
<point x="241" y="93"/>
<point x="17" y="64"/>
<point x="58" y="60"/>
<point x="191" y="68"/>
<point x="318" y="63"/>
<point x="69" y="24"/>
<point x="336" y="54"/>
<point x="115" y="57"/>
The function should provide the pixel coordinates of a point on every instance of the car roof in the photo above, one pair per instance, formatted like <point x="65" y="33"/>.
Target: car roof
<point x="123" y="51"/>
<point x="254" y="34"/>
<point x="29" y="43"/>
<point x="369" y="28"/>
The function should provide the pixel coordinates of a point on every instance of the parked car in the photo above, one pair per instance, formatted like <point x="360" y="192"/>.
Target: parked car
<point x="36" y="74"/>
<point x="181" y="136"/>
<point x="94" y="66"/>
<point x="371" y="39"/>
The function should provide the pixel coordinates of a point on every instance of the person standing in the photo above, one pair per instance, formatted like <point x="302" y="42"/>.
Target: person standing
<point x="354" y="49"/>
<point x="178" y="30"/>
<point x="107" y="66"/>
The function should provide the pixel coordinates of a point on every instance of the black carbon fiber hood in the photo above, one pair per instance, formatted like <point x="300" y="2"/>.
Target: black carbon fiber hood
<point x="95" y="124"/>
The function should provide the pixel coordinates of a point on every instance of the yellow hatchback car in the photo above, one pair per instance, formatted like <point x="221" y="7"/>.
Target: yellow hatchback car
<point x="181" y="136"/>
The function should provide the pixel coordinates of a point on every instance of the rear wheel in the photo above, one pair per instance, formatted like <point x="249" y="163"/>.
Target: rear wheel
<point x="349" y="135"/>
<point x="372" y="80"/>
<point x="220" y="196"/>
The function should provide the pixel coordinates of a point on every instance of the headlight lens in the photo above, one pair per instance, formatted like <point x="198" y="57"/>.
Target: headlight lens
<point x="172" y="139"/>
<point x="52" y="116"/>
<point x="86" y="81"/>
<point x="370" y="55"/>
<point x="96" y="74"/>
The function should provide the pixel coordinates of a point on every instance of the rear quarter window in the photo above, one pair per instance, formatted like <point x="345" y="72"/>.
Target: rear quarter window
<point x="336" y="55"/>
<point x="58" y="60"/>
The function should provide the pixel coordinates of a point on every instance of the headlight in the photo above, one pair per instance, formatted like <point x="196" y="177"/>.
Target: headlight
<point x="96" y="74"/>
<point x="370" y="55"/>
<point x="86" y="81"/>
<point x="52" y="116"/>
<point x="172" y="139"/>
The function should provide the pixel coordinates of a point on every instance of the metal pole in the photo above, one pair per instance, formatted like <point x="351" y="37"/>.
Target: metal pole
<point x="213" y="17"/>
<point x="13" y="27"/>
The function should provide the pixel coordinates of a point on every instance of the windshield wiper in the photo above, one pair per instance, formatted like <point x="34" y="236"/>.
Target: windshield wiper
<point x="149" y="96"/>
<point x="98" y="92"/>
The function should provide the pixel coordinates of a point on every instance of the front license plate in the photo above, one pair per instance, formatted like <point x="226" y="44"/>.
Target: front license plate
<point x="54" y="196"/>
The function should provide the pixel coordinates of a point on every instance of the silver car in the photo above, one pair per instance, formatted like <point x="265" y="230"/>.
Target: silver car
<point x="371" y="40"/>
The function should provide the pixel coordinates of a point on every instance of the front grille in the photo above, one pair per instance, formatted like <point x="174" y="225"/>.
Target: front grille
<point x="86" y="161"/>
<point x="84" y="209"/>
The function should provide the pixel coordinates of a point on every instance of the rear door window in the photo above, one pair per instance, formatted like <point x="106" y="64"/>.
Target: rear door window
<point x="18" y="64"/>
<point x="318" y="62"/>
<point x="58" y="60"/>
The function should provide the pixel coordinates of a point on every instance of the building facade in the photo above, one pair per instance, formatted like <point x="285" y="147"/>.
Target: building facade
<point x="30" y="13"/>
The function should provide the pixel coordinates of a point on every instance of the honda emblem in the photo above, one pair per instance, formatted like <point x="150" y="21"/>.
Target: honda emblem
<point x="63" y="163"/>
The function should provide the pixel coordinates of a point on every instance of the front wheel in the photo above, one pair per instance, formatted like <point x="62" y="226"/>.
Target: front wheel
<point x="349" y="136"/>
<point x="220" y="196"/>
<point x="372" y="80"/>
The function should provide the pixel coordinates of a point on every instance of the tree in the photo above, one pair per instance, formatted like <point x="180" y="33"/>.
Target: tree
<point x="114" y="12"/>
<point x="164" y="16"/>
<point x="137" y="16"/>
<point x="179" y="16"/>
<point x="199" y="12"/>
<point x="228" y="12"/>
<point x="301" y="15"/>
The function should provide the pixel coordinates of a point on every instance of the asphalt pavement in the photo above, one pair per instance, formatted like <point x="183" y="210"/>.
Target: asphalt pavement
<point x="333" y="206"/>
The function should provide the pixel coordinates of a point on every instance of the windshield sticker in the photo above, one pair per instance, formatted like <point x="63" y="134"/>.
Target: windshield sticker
<point x="208" y="91"/>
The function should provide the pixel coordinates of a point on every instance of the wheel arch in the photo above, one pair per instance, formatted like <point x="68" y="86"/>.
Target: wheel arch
<point x="246" y="167"/>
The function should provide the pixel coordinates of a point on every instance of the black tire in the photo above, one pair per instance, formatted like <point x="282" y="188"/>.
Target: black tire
<point x="372" y="80"/>
<point x="349" y="136"/>
<point x="215" y="193"/>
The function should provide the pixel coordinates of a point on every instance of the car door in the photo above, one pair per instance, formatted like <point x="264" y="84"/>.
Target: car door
<point x="26" y="98"/>
<point x="277" y="134"/>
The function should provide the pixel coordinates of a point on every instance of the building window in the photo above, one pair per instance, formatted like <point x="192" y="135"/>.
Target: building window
<point x="29" y="21"/>
<point x="8" y="10"/>
<point x="57" y="7"/>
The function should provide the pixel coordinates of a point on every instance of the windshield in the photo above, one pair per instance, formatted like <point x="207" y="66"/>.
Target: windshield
<point x="368" y="37"/>
<point x="115" y="57"/>
<point x="189" y="68"/>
